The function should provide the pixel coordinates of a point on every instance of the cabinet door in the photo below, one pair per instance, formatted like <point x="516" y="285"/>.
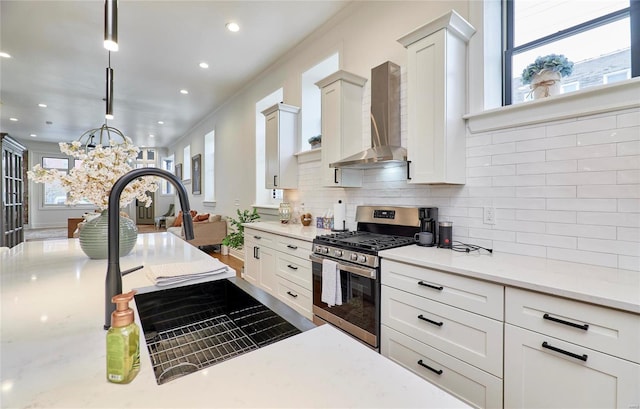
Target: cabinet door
<point x="272" y="151"/>
<point x="340" y="135"/>
<point x="268" y="279"/>
<point x="536" y="376"/>
<point x="251" y="261"/>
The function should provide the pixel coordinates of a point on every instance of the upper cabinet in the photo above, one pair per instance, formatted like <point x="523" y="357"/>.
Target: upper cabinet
<point x="341" y="126"/>
<point x="281" y="141"/>
<point x="436" y="99"/>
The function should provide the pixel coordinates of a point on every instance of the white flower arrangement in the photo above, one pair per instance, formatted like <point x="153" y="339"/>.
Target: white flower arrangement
<point x="100" y="168"/>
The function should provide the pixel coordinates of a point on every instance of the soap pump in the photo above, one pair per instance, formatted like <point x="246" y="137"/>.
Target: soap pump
<point x="123" y="342"/>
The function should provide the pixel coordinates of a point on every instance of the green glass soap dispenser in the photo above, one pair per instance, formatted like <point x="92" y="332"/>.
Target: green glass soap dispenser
<point x="123" y="342"/>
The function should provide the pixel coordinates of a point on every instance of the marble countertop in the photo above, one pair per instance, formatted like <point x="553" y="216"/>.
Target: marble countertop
<point x="297" y="231"/>
<point x="609" y="287"/>
<point x="53" y="346"/>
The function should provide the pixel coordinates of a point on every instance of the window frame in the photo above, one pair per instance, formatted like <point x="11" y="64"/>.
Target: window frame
<point x="633" y="12"/>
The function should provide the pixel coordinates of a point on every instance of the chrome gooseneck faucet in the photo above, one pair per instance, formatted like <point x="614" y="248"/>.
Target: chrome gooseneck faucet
<point x="113" y="285"/>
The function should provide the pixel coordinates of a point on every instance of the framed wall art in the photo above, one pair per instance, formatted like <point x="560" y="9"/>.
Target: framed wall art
<point x="196" y="174"/>
<point x="178" y="170"/>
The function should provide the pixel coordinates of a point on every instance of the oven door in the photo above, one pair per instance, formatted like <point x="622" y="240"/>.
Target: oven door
<point x="359" y="314"/>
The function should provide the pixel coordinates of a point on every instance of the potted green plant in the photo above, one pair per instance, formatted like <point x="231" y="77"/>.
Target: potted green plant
<point x="315" y="141"/>
<point x="545" y="73"/>
<point x="235" y="239"/>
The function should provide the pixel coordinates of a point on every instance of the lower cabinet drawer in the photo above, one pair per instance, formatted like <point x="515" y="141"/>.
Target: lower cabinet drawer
<point x="466" y="336"/>
<point x="544" y="372"/>
<point x="295" y="269"/>
<point x="468" y="383"/>
<point x="297" y="297"/>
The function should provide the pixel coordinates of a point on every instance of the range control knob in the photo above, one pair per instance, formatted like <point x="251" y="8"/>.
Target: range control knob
<point x="337" y="253"/>
<point x="362" y="259"/>
<point x="325" y="250"/>
<point x="354" y="257"/>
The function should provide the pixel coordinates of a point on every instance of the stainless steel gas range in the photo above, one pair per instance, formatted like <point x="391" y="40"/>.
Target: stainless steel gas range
<point x="355" y="253"/>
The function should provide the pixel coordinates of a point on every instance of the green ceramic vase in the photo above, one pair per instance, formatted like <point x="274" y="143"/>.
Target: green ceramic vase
<point x="93" y="236"/>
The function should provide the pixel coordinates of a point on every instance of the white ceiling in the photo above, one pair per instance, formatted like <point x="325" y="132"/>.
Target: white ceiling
<point x="58" y="59"/>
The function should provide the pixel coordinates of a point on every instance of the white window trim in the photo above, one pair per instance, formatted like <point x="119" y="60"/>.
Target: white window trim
<point x="605" y="77"/>
<point x="485" y="84"/>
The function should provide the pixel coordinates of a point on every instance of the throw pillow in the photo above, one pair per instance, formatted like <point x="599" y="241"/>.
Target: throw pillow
<point x="178" y="221"/>
<point x="201" y="217"/>
<point x="193" y="213"/>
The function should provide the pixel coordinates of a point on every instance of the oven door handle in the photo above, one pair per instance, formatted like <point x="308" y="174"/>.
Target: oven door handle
<point x="351" y="268"/>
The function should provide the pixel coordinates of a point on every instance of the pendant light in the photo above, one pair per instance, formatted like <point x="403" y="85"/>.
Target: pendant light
<point x="109" y="99"/>
<point x="111" y="25"/>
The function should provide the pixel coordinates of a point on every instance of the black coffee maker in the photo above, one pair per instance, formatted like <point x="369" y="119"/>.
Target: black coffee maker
<point x="429" y="222"/>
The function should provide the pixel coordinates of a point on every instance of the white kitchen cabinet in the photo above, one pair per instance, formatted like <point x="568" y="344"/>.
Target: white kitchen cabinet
<point x="565" y="353"/>
<point x="281" y="142"/>
<point x="281" y="266"/>
<point x="436" y="100"/>
<point x="446" y="328"/>
<point x="341" y="126"/>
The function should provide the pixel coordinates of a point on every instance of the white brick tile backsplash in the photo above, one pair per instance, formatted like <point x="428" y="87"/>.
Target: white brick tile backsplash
<point x="582" y="230"/>
<point x="629" y="234"/>
<point x="473" y="162"/>
<point x="538" y="204"/>
<point x="627" y="248"/>
<point x="561" y="166"/>
<point x="491" y="171"/>
<point x="492" y="234"/>
<point x="628" y="119"/>
<point x="628" y="148"/>
<point x="482" y="181"/>
<point x="546" y="240"/>
<point x="580" y="126"/>
<point x="546" y="143"/>
<point x="582" y="178"/>
<point x="491" y="149"/>
<point x="525" y="180"/>
<point x="582" y="152"/>
<point x="617" y="163"/>
<point x="519" y="134"/>
<point x="547" y="216"/>
<point x="492" y="192"/>
<point x="629" y="205"/>
<point x="519" y="248"/>
<point x="620" y="191"/>
<point x="520" y="226"/>
<point x="523" y="157"/>
<point x="596" y="205"/>
<point x="609" y="219"/>
<point x="546" y="191"/>
<point x="586" y="257"/>
<point x="628" y="176"/>
<point x="609" y="136"/>
<point x="629" y="263"/>
<point x="505" y="214"/>
<point x="479" y="140"/>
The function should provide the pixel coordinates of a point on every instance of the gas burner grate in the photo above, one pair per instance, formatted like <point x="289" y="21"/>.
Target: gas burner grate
<point x="364" y="240"/>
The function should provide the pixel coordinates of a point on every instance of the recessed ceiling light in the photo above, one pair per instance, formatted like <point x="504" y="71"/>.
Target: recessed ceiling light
<point x="160" y="122"/>
<point x="13" y="119"/>
<point x="4" y="55"/>
<point x="184" y="91"/>
<point x="233" y="27"/>
<point x="151" y="136"/>
<point x="42" y="105"/>
<point x="33" y="135"/>
<point x="204" y="65"/>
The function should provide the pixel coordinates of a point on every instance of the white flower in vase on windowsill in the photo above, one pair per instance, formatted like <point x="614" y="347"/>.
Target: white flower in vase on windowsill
<point x="545" y="74"/>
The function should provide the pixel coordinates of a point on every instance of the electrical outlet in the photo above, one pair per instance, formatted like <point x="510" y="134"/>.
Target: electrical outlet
<point x="237" y="202"/>
<point x="489" y="215"/>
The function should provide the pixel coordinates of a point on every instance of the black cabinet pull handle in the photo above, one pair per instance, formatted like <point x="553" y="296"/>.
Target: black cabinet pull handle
<point x="438" y="371"/>
<point x="274" y="180"/>
<point x="582" y="357"/>
<point x="408" y="170"/>
<point x="335" y="176"/>
<point x="292" y="294"/>
<point x="292" y="267"/>
<point x="423" y="318"/>
<point x="257" y="237"/>
<point x="571" y="324"/>
<point x="258" y="253"/>
<point x="435" y="287"/>
<point x="292" y="247"/>
<point x="254" y="252"/>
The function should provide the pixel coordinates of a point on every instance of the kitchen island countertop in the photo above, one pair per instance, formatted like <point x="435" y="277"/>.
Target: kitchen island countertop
<point x="53" y="346"/>
<point x="297" y="231"/>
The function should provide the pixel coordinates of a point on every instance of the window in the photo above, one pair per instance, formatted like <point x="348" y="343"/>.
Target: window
<point x="186" y="163"/>
<point x="311" y="98"/>
<point x="168" y="165"/>
<point x="570" y="86"/>
<point x="53" y="193"/>
<point x="208" y="178"/>
<point x="265" y="196"/>
<point x="594" y="35"/>
<point x="616" y="76"/>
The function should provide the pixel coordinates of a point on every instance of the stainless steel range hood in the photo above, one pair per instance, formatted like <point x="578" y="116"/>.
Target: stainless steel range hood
<point x="385" y="123"/>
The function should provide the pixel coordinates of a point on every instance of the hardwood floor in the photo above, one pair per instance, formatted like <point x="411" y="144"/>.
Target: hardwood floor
<point x="233" y="262"/>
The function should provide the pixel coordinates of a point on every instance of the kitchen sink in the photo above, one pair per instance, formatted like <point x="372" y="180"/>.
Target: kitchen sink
<point x="196" y="326"/>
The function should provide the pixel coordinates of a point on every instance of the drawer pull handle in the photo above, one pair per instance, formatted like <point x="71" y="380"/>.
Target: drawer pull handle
<point x="571" y="324"/>
<point x="435" y="287"/>
<point x="257" y="237"/>
<point x="423" y="318"/>
<point x="582" y="357"/>
<point x="292" y="267"/>
<point x="438" y="371"/>
<point x="291" y="246"/>
<point x="292" y="294"/>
